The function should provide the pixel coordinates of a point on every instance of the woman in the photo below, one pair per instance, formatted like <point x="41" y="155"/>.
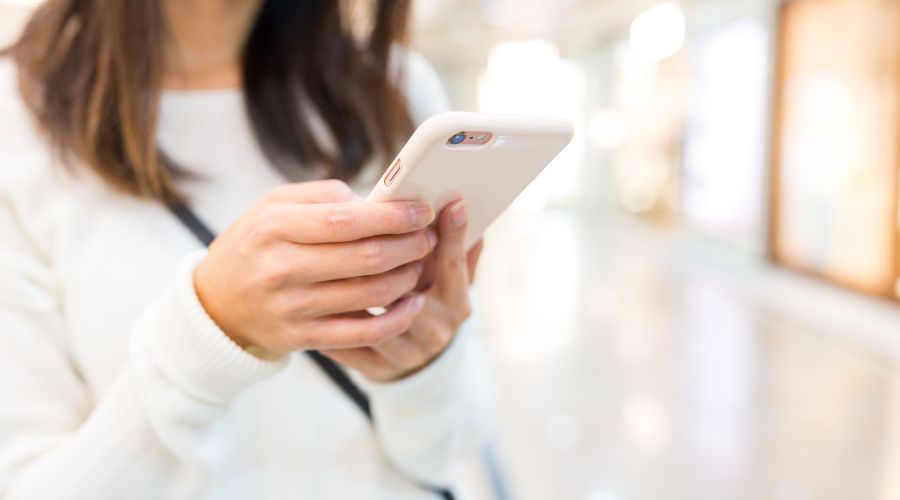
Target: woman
<point x="134" y="364"/>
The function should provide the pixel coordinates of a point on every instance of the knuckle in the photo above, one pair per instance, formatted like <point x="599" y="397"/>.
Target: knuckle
<point x="381" y="292"/>
<point x="422" y="244"/>
<point x="337" y="220"/>
<point x="288" y="336"/>
<point x="466" y="312"/>
<point x="294" y="306"/>
<point x="439" y="340"/>
<point x="395" y="217"/>
<point x="271" y="274"/>
<point x="264" y="223"/>
<point x="381" y="373"/>
<point x="423" y="356"/>
<point x="412" y="360"/>
<point x="374" y="334"/>
<point x="298" y="338"/>
<point x="382" y="331"/>
<point x="271" y="278"/>
<point x="463" y="311"/>
<point x="410" y="277"/>
<point x="278" y="307"/>
<point x="457" y="264"/>
<point x="277" y="193"/>
<point x="406" y="322"/>
<point x="372" y="255"/>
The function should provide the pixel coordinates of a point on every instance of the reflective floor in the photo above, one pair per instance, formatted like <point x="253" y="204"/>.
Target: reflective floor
<point x="631" y="368"/>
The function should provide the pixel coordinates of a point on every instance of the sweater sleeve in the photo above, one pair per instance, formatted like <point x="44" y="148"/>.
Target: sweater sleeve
<point x="57" y="441"/>
<point x="430" y="419"/>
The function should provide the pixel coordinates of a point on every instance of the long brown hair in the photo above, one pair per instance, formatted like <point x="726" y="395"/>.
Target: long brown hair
<point x="90" y="71"/>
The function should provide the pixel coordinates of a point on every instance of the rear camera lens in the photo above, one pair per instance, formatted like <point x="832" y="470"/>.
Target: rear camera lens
<point x="458" y="138"/>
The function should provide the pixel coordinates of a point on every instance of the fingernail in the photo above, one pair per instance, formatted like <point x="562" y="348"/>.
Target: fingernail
<point x="417" y="303"/>
<point x="432" y="237"/>
<point x="420" y="214"/>
<point x="458" y="213"/>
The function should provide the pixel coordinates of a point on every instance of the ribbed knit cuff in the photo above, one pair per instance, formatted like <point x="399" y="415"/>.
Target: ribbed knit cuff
<point x="192" y="351"/>
<point x="432" y="386"/>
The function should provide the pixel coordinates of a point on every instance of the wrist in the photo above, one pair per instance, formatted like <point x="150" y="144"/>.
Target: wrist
<point x="202" y="287"/>
<point x="176" y="337"/>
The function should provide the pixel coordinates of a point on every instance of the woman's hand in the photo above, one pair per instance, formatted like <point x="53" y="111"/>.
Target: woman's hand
<point x="446" y="308"/>
<point x="280" y="278"/>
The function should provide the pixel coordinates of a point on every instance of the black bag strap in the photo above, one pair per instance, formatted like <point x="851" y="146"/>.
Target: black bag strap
<point x="334" y="372"/>
<point x="344" y="383"/>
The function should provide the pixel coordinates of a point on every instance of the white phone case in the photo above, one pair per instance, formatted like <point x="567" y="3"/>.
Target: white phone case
<point x="488" y="176"/>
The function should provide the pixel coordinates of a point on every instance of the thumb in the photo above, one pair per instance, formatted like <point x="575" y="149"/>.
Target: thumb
<point x="451" y="260"/>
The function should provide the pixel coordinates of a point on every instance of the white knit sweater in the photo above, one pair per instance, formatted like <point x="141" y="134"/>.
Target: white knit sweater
<point x="114" y="383"/>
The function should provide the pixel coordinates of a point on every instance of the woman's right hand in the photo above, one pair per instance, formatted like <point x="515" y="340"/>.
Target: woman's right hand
<point x="279" y="279"/>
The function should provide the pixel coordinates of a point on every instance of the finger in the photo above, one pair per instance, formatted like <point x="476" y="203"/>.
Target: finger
<point x="359" y="294"/>
<point x="402" y="352"/>
<point x="364" y="360"/>
<point x="348" y="332"/>
<point x="426" y="278"/>
<point x="369" y="257"/>
<point x="451" y="278"/>
<point x="429" y="331"/>
<point x="325" y="191"/>
<point x="307" y="223"/>
<point x="472" y="259"/>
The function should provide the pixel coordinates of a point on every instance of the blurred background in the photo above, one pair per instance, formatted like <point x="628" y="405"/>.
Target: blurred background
<point x="699" y="298"/>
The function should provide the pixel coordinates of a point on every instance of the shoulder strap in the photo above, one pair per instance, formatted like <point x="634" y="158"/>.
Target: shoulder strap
<point x="334" y="372"/>
<point x="343" y="381"/>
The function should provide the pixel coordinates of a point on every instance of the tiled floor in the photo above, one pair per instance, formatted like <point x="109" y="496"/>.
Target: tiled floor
<point x="631" y="369"/>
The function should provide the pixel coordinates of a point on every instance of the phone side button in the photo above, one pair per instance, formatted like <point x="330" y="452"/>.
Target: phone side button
<point x="392" y="173"/>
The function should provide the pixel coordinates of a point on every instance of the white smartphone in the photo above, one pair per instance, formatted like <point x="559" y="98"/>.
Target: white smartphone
<point x="486" y="159"/>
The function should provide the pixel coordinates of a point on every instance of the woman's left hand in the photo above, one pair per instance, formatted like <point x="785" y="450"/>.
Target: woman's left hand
<point x="446" y="308"/>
